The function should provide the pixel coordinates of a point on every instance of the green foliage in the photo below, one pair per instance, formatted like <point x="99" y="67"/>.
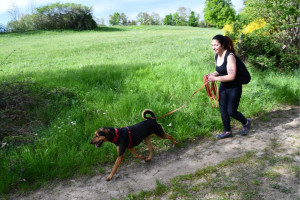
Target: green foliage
<point x="168" y="20"/>
<point x="193" y="21"/>
<point x="26" y="22"/>
<point x="118" y="19"/>
<point x="56" y="16"/>
<point x="115" y="19"/>
<point x="143" y="18"/>
<point x="282" y="15"/>
<point x="176" y="19"/>
<point x="154" y="19"/>
<point x="276" y="46"/>
<point x="218" y="12"/>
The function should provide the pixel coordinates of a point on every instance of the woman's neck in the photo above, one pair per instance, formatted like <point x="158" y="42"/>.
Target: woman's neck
<point x="221" y="53"/>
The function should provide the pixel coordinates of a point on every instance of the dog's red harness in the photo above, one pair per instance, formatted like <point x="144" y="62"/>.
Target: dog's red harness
<point x="129" y="135"/>
<point x="117" y="134"/>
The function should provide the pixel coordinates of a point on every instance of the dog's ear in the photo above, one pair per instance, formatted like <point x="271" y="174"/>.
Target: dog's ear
<point x="107" y="132"/>
<point x="104" y="131"/>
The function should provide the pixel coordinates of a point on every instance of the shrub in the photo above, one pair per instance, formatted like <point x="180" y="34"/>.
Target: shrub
<point x="264" y="52"/>
<point x="25" y="23"/>
<point x="56" y="16"/>
<point x="257" y="42"/>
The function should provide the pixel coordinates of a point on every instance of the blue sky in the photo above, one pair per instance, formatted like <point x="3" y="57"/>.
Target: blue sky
<point x="104" y="8"/>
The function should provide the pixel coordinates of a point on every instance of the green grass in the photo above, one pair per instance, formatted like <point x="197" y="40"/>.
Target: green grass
<point x="108" y="77"/>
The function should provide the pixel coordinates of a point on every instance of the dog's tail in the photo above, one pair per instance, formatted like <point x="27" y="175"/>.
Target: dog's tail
<point x="148" y="111"/>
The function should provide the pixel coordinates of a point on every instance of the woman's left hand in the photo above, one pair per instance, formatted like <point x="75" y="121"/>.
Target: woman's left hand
<point x="211" y="77"/>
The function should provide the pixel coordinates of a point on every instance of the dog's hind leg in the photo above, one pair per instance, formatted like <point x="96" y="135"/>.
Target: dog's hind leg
<point x="150" y="147"/>
<point x="167" y="136"/>
<point x="132" y="150"/>
<point x="163" y="135"/>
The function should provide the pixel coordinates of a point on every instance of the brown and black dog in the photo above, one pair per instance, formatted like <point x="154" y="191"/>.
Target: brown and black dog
<point x="131" y="136"/>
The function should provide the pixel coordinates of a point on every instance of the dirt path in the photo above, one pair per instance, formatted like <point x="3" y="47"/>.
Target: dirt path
<point x="132" y="177"/>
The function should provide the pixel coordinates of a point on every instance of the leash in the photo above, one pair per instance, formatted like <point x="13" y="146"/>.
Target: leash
<point x="211" y="90"/>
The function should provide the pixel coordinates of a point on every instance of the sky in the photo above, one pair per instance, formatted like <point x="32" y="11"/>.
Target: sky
<point x="104" y="8"/>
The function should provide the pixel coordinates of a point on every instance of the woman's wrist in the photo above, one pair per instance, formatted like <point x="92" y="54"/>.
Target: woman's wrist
<point x="215" y="73"/>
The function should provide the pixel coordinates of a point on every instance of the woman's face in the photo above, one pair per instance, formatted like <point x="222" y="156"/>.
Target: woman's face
<point x="216" y="46"/>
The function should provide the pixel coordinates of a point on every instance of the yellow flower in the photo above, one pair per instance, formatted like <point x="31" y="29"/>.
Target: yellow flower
<point x="228" y="28"/>
<point x="257" y="24"/>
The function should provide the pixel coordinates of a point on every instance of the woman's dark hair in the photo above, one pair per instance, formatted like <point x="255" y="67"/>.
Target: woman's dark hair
<point x="226" y="42"/>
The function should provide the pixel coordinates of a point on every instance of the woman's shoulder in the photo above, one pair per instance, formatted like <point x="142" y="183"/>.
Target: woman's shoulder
<point x="230" y="56"/>
<point x="228" y="53"/>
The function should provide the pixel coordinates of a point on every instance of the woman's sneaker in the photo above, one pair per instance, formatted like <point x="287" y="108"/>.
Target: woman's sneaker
<point x="246" y="127"/>
<point x="224" y="135"/>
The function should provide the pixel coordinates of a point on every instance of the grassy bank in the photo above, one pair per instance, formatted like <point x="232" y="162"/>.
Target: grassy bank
<point x="64" y="85"/>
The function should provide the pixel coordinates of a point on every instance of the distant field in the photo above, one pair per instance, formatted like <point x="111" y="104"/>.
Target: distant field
<point x="85" y="80"/>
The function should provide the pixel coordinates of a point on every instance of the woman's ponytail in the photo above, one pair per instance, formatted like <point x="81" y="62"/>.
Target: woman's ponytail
<point x="230" y="44"/>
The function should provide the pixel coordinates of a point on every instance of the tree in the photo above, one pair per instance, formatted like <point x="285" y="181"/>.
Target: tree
<point x="183" y="14"/>
<point x="176" y="19"/>
<point x="124" y="19"/>
<point x="193" y="21"/>
<point x="168" y="20"/>
<point x="143" y="18"/>
<point x="115" y="19"/>
<point x="154" y="19"/>
<point x="218" y="12"/>
<point x="132" y="22"/>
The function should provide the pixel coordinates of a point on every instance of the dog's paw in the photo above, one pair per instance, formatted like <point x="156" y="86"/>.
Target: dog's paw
<point x="143" y="157"/>
<point x="108" y="178"/>
<point x="148" y="160"/>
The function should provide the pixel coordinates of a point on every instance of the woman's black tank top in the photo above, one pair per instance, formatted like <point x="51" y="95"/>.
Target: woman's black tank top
<point x="222" y="70"/>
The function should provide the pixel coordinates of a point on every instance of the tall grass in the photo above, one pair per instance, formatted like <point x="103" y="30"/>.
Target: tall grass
<point x="115" y="74"/>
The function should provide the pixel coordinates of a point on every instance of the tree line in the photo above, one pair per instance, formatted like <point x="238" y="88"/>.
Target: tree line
<point x="77" y="16"/>
<point x="183" y="17"/>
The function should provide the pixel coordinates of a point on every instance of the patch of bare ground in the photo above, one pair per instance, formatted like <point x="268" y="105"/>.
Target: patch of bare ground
<point x="263" y="165"/>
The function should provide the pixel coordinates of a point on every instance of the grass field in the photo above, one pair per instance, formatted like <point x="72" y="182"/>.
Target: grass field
<point x="64" y="85"/>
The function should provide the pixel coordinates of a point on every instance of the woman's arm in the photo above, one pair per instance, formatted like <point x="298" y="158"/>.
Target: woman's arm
<point x="214" y="73"/>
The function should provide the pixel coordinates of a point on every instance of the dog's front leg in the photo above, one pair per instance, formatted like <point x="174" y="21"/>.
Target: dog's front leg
<point x="116" y="166"/>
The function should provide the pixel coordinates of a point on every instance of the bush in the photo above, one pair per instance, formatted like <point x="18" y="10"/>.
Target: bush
<point x="264" y="52"/>
<point x="25" y="23"/>
<point x="256" y="41"/>
<point x="56" y="16"/>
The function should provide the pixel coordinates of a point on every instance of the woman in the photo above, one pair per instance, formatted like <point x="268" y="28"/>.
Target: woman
<point x="230" y="89"/>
